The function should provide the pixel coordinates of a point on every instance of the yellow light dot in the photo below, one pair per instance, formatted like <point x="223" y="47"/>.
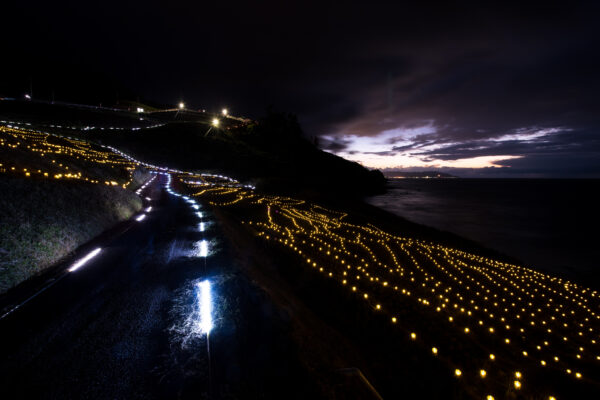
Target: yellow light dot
<point x="434" y="350"/>
<point x="482" y="373"/>
<point x="517" y="385"/>
<point x="457" y="372"/>
<point x="492" y="357"/>
<point x="394" y="320"/>
<point x="413" y="336"/>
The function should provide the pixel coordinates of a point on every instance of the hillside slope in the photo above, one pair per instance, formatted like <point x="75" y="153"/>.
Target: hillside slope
<point x="56" y="195"/>
<point x="273" y="152"/>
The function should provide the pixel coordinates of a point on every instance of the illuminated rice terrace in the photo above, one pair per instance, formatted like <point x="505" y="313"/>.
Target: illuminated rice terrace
<point x="59" y="158"/>
<point x="503" y="330"/>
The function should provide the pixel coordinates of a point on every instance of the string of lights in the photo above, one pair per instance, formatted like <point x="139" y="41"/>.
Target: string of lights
<point x="56" y="154"/>
<point x="517" y="324"/>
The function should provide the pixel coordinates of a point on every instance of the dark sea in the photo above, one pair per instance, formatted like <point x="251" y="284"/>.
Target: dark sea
<point x="548" y="224"/>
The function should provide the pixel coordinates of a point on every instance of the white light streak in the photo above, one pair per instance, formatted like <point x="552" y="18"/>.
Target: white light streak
<point x="149" y="209"/>
<point x="141" y="217"/>
<point x="204" y="297"/>
<point x="202" y="248"/>
<point x="85" y="259"/>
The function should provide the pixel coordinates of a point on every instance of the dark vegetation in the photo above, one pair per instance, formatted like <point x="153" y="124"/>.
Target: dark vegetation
<point x="42" y="221"/>
<point x="44" y="218"/>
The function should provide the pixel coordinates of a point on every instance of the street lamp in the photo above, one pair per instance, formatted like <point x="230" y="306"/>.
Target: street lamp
<point x="224" y="112"/>
<point x="215" y="122"/>
<point x="181" y="106"/>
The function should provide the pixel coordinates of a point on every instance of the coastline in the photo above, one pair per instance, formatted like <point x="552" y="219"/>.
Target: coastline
<point x="371" y="343"/>
<point x="533" y="221"/>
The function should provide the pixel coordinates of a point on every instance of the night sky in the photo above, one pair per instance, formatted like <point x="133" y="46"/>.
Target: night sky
<point x="474" y="89"/>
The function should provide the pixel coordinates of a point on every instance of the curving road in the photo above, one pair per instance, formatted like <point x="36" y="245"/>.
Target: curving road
<point x="125" y="324"/>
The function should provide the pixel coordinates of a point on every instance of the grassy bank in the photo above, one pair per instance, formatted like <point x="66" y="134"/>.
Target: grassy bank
<point x="57" y="193"/>
<point x="42" y="221"/>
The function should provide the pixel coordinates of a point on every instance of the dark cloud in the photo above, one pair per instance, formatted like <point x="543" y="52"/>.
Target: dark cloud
<point x="381" y="153"/>
<point x="334" y="145"/>
<point x="473" y="70"/>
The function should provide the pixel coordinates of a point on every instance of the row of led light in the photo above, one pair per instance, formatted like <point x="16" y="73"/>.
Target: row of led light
<point x="233" y="184"/>
<point x="145" y="164"/>
<point x="18" y="124"/>
<point x="148" y="165"/>
<point x="177" y="171"/>
<point x="203" y="288"/>
<point x="112" y="149"/>
<point x="81" y="149"/>
<point x="139" y="191"/>
<point x="82" y="261"/>
<point x="413" y="336"/>
<point x="80" y="144"/>
<point x="517" y="383"/>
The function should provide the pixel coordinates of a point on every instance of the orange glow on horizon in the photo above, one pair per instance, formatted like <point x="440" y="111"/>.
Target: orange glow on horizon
<point x="400" y="161"/>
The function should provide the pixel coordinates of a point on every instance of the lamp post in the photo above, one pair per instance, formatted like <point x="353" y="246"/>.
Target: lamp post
<point x="214" y="124"/>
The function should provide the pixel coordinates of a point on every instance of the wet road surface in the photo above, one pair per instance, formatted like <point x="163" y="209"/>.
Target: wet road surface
<point x="124" y="325"/>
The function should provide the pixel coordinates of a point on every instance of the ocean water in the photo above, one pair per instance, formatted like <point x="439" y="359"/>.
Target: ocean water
<point x="548" y="224"/>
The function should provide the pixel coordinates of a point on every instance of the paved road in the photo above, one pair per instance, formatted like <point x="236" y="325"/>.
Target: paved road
<point x="124" y="325"/>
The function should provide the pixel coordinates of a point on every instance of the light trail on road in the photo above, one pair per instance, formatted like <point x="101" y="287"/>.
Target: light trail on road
<point x="84" y="260"/>
<point x="205" y="306"/>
